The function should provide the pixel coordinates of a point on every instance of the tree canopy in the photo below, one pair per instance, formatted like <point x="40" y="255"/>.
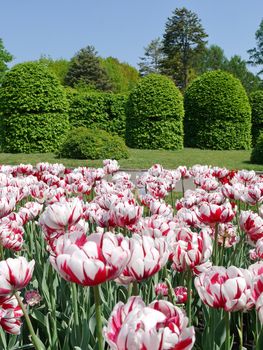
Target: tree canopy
<point x="85" y="68"/>
<point x="184" y="39"/>
<point x="5" y="57"/>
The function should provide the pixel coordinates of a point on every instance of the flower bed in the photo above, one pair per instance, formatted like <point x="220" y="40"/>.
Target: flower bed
<point x="93" y="260"/>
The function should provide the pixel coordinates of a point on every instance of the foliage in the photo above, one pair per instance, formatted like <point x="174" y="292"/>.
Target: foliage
<point x="122" y="76"/>
<point x="257" y="152"/>
<point x="58" y="67"/>
<point x="33" y="108"/>
<point x="256" y="54"/>
<point x="153" y="56"/>
<point x="211" y="58"/>
<point x="256" y="102"/>
<point x="84" y="143"/>
<point x="85" y="67"/>
<point x="217" y="113"/>
<point x="183" y="41"/>
<point x="155" y="114"/>
<point x="5" y="57"/>
<point x="238" y="68"/>
<point x="98" y="110"/>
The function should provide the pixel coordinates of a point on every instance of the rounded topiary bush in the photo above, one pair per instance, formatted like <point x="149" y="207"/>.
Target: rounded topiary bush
<point x="256" y="103"/>
<point x="84" y="143"/>
<point x="217" y="113"/>
<point x="257" y="152"/>
<point x="154" y="117"/>
<point x="33" y="110"/>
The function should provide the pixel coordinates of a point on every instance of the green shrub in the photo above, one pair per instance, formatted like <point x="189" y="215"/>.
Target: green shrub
<point x="84" y="143"/>
<point x="33" y="110"/>
<point x="155" y="114"/>
<point x="98" y="110"/>
<point x="217" y="113"/>
<point x="257" y="152"/>
<point x="256" y="103"/>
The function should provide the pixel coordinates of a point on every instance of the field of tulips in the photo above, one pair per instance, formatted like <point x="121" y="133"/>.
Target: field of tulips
<point x="91" y="260"/>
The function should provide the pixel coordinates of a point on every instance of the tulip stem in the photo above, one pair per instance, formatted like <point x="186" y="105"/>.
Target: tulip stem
<point x="189" y="297"/>
<point x="135" y="289"/>
<point x="75" y="304"/>
<point x="216" y="245"/>
<point x="241" y="330"/>
<point x="35" y="340"/>
<point x="98" y="316"/>
<point x="227" y="324"/>
<point x="182" y="179"/>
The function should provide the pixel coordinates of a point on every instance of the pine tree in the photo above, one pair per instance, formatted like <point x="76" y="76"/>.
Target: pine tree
<point x="85" y="68"/>
<point x="183" y="41"/>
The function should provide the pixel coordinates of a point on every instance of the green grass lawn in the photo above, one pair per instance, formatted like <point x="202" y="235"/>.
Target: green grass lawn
<point x="143" y="159"/>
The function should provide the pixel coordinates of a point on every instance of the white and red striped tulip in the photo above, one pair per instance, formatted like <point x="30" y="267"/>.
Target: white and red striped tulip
<point x="10" y="315"/>
<point x="184" y="172"/>
<point x="110" y="166"/>
<point x="257" y="272"/>
<point x="7" y="204"/>
<point x="206" y="183"/>
<point x="148" y="256"/>
<point x="91" y="260"/>
<point x="161" y="208"/>
<point x="15" y="274"/>
<point x="159" y="326"/>
<point x="235" y="191"/>
<point x="191" y="249"/>
<point x="155" y="226"/>
<point x="245" y="176"/>
<point x="11" y="235"/>
<point x="125" y="213"/>
<point x="253" y="194"/>
<point x="188" y="217"/>
<point x="211" y="213"/>
<point x="227" y="288"/>
<point x="252" y="224"/>
<point x="61" y="215"/>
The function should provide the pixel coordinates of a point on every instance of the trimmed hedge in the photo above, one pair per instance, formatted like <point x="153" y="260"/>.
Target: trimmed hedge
<point x="84" y="143"/>
<point x="33" y="110"/>
<point x="155" y="114"/>
<point x="217" y="113"/>
<point x="257" y="152"/>
<point x="98" y="110"/>
<point x="256" y="103"/>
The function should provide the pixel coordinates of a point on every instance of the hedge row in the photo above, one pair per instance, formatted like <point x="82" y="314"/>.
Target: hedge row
<point x="98" y="110"/>
<point x="33" y="110"/>
<point x="217" y="113"/>
<point x="36" y="112"/>
<point x="256" y="102"/>
<point x="155" y="114"/>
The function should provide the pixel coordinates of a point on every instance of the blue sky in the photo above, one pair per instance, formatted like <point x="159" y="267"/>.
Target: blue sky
<point x="119" y="28"/>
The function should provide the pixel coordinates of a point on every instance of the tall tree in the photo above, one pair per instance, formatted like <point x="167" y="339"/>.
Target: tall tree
<point x="58" y="67"/>
<point x="85" y="68"/>
<point x="153" y="56"/>
<point x="122" y="76"/>
<point x="212" y="58"/>
<point x="183" y="41"/>
<point x="5" y="57"/>
<point x="238" y="68"/>
<point x="256" y="54"/>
